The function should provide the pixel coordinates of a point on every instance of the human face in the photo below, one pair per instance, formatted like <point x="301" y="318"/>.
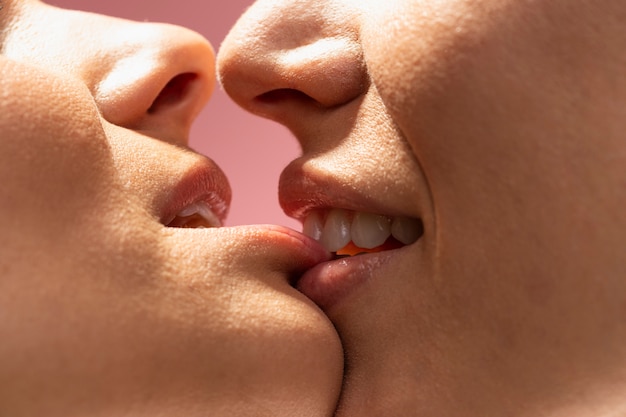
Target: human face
<point x="499" y="125"/>
<point x="107" y="309"/>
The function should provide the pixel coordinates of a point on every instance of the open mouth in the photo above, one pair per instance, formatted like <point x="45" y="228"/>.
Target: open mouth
<point x="350" y="233"/>
<point x="197" y="215"/>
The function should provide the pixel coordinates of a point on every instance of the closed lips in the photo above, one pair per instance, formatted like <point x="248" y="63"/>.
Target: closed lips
<point x="346" y="232"/>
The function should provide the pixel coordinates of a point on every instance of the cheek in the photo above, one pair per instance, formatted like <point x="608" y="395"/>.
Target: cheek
<point x="501" y="125"/>
<point x="55" y="157"/>
<point x="58" y="195"/>
<point x="477" y="107"/>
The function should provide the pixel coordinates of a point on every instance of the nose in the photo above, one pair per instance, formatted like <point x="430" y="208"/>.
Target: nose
<point x="155" y="79"/>
<point x="284" y="59"/>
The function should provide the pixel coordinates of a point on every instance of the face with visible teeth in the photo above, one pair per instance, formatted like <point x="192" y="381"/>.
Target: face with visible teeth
<point x="487" y="135"/>
<point x="342" y="232"/>
<point x="118" y="295"/>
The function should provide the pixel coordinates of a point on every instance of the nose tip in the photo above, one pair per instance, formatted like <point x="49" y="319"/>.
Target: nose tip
<point x="159" y="82"/>
<point x="280" y="68"/>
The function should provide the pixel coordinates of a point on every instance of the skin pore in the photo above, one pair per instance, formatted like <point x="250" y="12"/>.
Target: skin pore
<point x="107" y="309"/>
<point x="499" y="125"/>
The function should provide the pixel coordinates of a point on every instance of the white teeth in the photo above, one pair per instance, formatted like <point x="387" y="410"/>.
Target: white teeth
<point x="336" y="232"/>
<point x="370" y="230"/>
<point x="313" y="226"/>
<point x="365" y="230"/>
<point x="407" y="230"/>
<point x="198" y="214"/>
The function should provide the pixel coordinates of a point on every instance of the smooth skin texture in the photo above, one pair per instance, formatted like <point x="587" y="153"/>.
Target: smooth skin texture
<point x="499" y="123"/>
<point x="104" y="310"/>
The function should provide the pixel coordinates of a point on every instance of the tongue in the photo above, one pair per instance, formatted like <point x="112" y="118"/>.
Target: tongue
<point x="351" y="249"/>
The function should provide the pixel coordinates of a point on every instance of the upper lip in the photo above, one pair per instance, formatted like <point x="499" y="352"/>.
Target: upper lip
<point x="204" y="181"/>
<point x="301" y="191"/>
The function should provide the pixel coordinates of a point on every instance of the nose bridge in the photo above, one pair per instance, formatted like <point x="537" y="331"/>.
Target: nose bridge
<point x="297" y="49"/>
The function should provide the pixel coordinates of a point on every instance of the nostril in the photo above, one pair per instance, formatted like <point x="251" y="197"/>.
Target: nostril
<point x="173" y="93"/>
<point x="286" y="95"/>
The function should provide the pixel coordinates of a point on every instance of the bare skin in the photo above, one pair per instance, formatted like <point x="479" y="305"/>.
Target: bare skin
<point x="107" y="308"/>
<point x="498" y="124"/>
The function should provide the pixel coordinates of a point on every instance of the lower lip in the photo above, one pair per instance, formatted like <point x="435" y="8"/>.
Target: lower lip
<point x="330" y="282"/>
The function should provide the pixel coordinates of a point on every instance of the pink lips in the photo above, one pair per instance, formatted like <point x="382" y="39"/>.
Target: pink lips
<point x="206" y="182"/>
<point x="300" y="192"/>
<point x="330" y="282"/>
<point x="277" y="248"/>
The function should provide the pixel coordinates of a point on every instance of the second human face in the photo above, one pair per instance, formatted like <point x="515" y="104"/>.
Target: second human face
<point x="118" y="293"/>
<point x="488" y="135"/>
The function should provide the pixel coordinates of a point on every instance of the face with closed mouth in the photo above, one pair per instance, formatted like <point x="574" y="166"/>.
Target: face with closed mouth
<point x="118" y="293"/>
<point x="472" y="153"/>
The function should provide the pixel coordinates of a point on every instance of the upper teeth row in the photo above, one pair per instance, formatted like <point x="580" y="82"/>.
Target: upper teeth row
<point x="365" y="230"/>
<point x="198" y="214"/>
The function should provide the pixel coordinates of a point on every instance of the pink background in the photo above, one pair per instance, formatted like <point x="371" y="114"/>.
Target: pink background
<point x="251" y="151"/>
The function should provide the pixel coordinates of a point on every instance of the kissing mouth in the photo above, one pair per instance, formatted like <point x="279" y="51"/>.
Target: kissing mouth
<point x="349" y="233"/>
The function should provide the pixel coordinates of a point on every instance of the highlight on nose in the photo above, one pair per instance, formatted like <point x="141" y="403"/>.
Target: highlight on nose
<point x="278" y="83"/>
<point x="158" y="81"/>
